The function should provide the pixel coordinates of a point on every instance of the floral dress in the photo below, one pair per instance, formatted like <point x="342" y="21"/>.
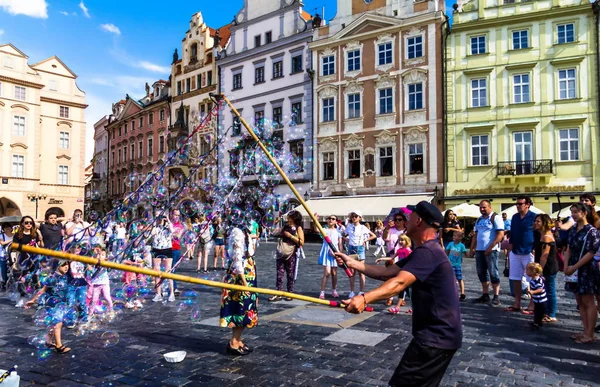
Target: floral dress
<point x="239" y="309"/>
<point x="587" y="275"/>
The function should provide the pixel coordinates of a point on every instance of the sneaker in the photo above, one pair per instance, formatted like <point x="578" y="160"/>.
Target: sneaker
<point x="526" y="296"/>
<point x="171" y="298"/>
<point x="71" y="326"/>
<point x="129" y="305"/>
<point x="335" y="294"/>
<point x="351" y="294"/>
<point x="495" y="301"/>
<point x="20" y="303"/>
<point x="138" y="304"/>
<point x="361" y="293"/>
<point x="484" y="299"/>
<point x="157" y="298"/>
<point x="463" y="297"/>
<point x="322" y="295"/>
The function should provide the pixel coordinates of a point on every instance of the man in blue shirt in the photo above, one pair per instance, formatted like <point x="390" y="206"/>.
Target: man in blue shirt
<point x="521" y="239"/>
<point x="506" y="223"/>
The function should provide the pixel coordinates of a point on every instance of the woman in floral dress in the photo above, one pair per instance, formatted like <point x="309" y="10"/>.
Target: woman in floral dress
<point x="239" y="310"/>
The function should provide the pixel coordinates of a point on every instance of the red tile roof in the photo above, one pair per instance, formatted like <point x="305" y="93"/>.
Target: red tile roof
<point x="224" y="34"/>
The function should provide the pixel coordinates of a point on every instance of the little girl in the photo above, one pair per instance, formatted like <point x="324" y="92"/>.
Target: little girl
<point x="128" y="277"/>
<point x="402" y="252"/>
<point x="237" y="254"/>
<point x="379" y="242"/>
<point x="100" y="284"/>
<point x="327" y="259"/>
<point x="537" y="289"/>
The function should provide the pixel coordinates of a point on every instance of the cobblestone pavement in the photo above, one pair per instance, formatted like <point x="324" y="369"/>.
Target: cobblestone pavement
<point x="499" y="348"/>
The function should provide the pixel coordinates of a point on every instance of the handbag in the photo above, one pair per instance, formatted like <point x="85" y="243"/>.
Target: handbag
<point x="574" y="278"/>
<point x="285" y="250"/>
<point x="391" y="253"/>
<point x="506" y="268"/>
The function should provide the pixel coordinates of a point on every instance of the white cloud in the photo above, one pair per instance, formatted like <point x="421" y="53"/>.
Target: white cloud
<point x="33" y="8"/>
<point x="84" y="9"/>
<point x="64" y="13"/>
<point x="111" y="28"/>
<point x="153" y="67"/>
<point x="1" y="32"/>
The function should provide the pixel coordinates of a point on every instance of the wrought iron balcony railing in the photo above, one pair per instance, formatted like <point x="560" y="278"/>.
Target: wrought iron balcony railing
<point x="525" y="167"/>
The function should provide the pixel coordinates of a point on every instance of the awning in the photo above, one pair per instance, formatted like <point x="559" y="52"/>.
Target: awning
<point x="373" y="207"/>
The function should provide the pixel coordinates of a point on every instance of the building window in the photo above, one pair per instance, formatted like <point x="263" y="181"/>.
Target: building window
<point x="125" y="153"/>
<point x="478" y="45"/>
<point x="150" y="118"/>
<point x="479" y="92"/>
<point x="354" y="60"/>
<point x="569" y="144"/>
<point x="296" y="64"/>
<point x="259" y="75"/>
<point x="209" y="78"/>
<point x="386" y="104"/>
<point x="53" y="85"/>
<point x="133" y="125"/>
<point x="204" y="146"/>
<point x="566" y="33"/>
<point x="63" y="140"/>
<point x="178" y="87"/>
<point x="278" y="69"/>
<point x="63" y="174"/>
<point x="328" y="65"/>
<point x="18" y="166"/>
<point x="150" y="147"/>
<point x="354" y="105"/>
<point x="237" y="126"/>
<point x="237" y="81"/>
<point x="133" y="151"/>
<point x="354" y="164"/>
<point x="19" y="126"/>
<point x="521" y="88"/>
<point x="141" y="148"/>
<point x="161" y="115"/>
<point x="194" y="53"/>
<point x="64" y="112"/>
<point x="566" y="84"/>
<point x="259" y="119"/>
<point x="20" y="93"/>
<point x="161" y="144"/>
<point x="125" y="126"/>
<point x="277" y="117"/>
<point x="297" y="113"/>
<point x="328" y="166"/>
<point x="268" y="37"/>
<point x="188" y="85"/>
<point x="415" y="96"/>
<point x="384" y="52"/>
<point x="520" y="39"/>
<point x="257" y="41"/>
<point x="414" y="47"/>
<point x="328" y="109"/>
<point x="386" y="161"/>
<point x="234" y="162"/>
<point x="297" y="153"/>
<point x="480" y="150"/>
<point x="415" y="159"/>
<point x="199" y="80"/>
<point x="119" y="153"/>
<point x="141" y="122"/>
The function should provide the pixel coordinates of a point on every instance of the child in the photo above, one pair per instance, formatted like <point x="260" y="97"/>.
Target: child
<point x="379" y="242"/>
<point x="537" y="289"/>
<point x="327" y="259"/>
<point x="134" y="259"/>
<point x="100" y="284"/>
<point x="78" y="287"/>
<point x="403" y="251"/>
<point x="58" y="289"/>
<point x="455" y="251"/>
<point x="237" y="254"/>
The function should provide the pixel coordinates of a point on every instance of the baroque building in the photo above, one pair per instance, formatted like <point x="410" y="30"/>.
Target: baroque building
<point x="42" y="136"/>
<point x="266" y="73"/>
<point x="522" y="102"/>
<point x="378" y="111"/>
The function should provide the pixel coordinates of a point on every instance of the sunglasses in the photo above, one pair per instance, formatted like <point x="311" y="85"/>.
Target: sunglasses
<point x="331" y="219"/>
<point x="400" y="220"/>
<point x="521" y="204"/>
<point x="354" y="216"/>
<point x="28" y="222"/>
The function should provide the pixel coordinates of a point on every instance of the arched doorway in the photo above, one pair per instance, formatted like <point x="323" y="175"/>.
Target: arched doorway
<point x="9" y="208"/>
<point x="58" y="210"/>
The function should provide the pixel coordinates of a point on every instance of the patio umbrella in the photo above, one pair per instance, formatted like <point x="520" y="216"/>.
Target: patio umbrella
<point x="566" y="212"/>
<point x="510" y="211"/>
<point x="466" y="210"/>
<point x="10" y="219"/>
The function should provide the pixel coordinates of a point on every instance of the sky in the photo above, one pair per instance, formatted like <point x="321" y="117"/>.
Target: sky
<point x="114" y="47"/>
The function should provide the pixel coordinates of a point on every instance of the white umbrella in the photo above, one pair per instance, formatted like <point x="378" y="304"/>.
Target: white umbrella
<point x="565" y="212"/>
<point x="510" y="211"/>
<point x="466" y="210"/>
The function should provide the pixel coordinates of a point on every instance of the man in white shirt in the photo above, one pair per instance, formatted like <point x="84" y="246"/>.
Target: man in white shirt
<point x="356" y="235"/>
<point x="77" y="228"/>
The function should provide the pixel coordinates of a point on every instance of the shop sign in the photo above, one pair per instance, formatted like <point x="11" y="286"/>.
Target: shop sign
<point x="54" y="201"/>
<point x="516" y="190"/>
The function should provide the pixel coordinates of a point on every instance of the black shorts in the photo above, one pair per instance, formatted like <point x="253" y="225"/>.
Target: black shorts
<point x="422" y="366"/>
<point x="162" y="253"/>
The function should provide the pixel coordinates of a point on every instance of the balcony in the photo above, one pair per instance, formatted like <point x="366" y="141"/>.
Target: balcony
<point x="540" y="170"/>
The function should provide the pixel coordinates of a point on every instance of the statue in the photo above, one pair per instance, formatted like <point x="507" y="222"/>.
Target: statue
<point x="316" y="21"/>
<point x="114" y="109"/>
<point x="147" y="89"/>
<point x="217" y="39"/>
<point x="175" y="57"/>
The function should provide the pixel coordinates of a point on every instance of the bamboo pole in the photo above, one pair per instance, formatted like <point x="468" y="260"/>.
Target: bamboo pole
<point x="287" y="181"/>
<point x="171" y="276"/>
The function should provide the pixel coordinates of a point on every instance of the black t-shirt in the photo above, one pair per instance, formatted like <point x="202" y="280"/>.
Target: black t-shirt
<point x="448" y="235"/>
<point x="436" y="312"/>
<point x="551" y="266"/>
<point x="52" y="234"/>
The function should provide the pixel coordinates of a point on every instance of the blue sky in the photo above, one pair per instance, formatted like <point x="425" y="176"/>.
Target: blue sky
<point x="113" y="46"/>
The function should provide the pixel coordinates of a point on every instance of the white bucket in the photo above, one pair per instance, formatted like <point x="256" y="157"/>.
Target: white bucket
<point x="13" y="379"/>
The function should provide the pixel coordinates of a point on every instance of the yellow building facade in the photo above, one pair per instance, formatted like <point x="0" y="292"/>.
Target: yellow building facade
<point x="521" y="102"/>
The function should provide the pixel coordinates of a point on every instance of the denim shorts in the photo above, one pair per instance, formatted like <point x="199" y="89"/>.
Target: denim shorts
<point x="359" y="250"/>
<point x="219" y="241"/>
<point x="457" y="272"/>
<point x="487" y="266"/>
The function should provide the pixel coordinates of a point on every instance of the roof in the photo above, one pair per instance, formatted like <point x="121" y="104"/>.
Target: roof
<point x="305" y="15"/>
<point x="14" y="48"/>
<point x="224" y="34"/>
<point x="59" y="61"/>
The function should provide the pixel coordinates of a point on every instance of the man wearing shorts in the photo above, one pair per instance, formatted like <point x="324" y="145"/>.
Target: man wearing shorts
<point x="162" y="252"/>
<point x="521" y="239"/>
<point x="356" y="233"/>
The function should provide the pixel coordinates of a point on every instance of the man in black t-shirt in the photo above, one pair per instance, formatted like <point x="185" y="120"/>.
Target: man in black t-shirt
<point x="437" y="325"/>
<point x="52" y="231"/>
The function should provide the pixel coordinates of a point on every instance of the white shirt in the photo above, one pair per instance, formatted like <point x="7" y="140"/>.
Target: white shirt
<point x="121" y="233"/>
<point x="356" y="234"/>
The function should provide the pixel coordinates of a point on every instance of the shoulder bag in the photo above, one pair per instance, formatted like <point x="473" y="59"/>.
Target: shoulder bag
<point x="574" y="278"/>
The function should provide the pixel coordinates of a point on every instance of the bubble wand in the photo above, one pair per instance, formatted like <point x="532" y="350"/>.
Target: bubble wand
<point x="285" y="178"/>
<point x="172" y="276"/>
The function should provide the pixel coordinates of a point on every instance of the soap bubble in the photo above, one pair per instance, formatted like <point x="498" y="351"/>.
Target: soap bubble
<point x="196" y="315"/>
<point x="44" y="354"/>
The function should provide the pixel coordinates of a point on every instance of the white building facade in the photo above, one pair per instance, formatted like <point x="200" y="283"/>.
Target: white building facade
<point x="266" y="73"/>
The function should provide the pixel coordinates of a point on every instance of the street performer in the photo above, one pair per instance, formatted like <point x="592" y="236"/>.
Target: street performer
<point x="437" y="326"/>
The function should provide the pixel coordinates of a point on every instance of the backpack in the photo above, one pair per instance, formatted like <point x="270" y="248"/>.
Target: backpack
<point x="492" y="218"/>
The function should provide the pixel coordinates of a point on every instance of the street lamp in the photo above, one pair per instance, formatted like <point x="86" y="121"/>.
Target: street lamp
<point x="306" y="196"/>
<point x="36" y="197"/>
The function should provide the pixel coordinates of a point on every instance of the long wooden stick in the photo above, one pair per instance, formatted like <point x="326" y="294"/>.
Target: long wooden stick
<point x="288" y="182"/>
<point x="165" y="275"/>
